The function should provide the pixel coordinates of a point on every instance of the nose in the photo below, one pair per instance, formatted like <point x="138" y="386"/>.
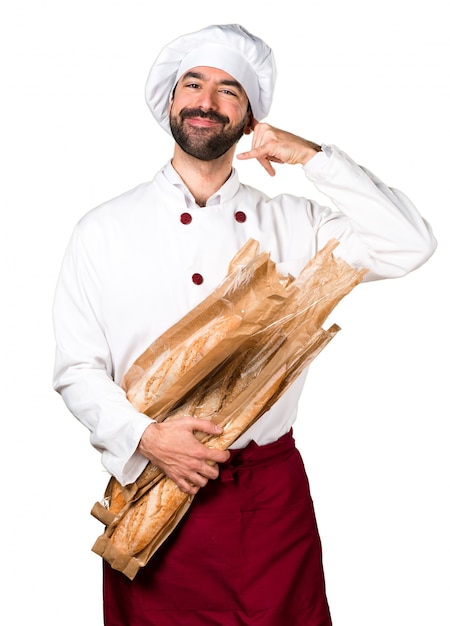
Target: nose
<point x="206" y="99"/>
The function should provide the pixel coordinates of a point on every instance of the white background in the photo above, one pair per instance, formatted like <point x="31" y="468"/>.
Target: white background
<point x="372" y="78"/>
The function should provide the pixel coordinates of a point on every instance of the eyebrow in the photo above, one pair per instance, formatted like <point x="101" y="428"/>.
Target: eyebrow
<point x="227" y="82"/>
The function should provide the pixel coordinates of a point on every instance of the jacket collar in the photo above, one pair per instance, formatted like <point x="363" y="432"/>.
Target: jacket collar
<point x="222" y="195"/>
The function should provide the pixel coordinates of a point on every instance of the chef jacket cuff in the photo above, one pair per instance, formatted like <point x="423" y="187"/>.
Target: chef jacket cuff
<point x="319" y="161"/>
<point x="127" y="472"/>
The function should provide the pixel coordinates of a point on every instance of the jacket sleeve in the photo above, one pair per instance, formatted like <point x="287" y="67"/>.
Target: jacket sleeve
<point x="378" y="227"/>
<point x="83" y="373"/>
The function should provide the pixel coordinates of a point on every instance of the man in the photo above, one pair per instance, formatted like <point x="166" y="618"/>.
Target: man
<point x="248" y="551"/>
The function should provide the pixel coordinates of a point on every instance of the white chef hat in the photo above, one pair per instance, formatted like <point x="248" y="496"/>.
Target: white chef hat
<point x="228" y="47"/>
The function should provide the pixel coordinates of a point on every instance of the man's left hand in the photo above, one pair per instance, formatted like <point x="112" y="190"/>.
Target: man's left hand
<point x="273" y="145"/>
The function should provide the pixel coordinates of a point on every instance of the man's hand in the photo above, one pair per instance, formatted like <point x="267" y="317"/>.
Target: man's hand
<point x="271" y="144"/>
<point x="173" y="447"/>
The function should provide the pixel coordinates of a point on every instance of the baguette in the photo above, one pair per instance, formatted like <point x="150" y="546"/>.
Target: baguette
<point x="149" y="514"/>
<point x="246" y="376"/>
<point x="170" y="367"/>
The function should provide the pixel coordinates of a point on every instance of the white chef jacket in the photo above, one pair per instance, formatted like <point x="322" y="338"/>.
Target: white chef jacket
<point x="136" y="264"/>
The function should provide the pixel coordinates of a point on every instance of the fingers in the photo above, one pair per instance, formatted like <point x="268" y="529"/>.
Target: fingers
<point x="217" y="456"/>
<point x="187" y="487"/>
<point x="204" y="426"/>
<point x="263" y="147"/>
<point x="273" y="145"/>
<point x="191" y="482"/>
<point x="173" y="447"/>
<point x="204" y="460"/>
<point x="260" y="154"/>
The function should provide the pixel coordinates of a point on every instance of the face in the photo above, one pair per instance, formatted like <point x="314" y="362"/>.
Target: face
<point x="208" y="113"/>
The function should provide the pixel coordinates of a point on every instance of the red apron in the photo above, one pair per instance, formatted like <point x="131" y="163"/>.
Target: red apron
<point x="247" y="553"/>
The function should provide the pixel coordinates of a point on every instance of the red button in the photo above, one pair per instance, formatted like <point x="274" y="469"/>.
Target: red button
<point x="240" y="216"/>
<point x="185" y="218"/>
<point x="197" y="279"/>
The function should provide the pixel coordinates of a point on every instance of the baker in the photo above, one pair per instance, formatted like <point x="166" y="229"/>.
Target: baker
<point x="248" y="551"/>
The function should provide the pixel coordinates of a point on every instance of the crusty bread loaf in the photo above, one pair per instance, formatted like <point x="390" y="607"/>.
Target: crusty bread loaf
<point x="116" y="498"/>
<point x="245" y="379"/>
<point x="170" y="367"/>
<point x="147" y="517"/>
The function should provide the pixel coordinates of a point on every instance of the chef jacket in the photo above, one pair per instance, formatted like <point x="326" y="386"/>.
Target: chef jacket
<point x="136" y="264"/>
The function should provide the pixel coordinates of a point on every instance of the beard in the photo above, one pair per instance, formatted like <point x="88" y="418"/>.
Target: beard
<point x="205" y="144"/>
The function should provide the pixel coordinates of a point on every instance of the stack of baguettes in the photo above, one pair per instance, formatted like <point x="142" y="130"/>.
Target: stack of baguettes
<point x="227" y="360"/>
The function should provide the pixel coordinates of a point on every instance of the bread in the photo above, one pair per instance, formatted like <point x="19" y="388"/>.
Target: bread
<point x="116" y="497"/>
<point x="243" y="381"/>
<point x="170" y="367"/>
<point x="149" y="514"/>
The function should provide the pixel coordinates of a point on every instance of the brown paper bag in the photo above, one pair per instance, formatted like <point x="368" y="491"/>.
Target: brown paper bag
<point x="233" y="380"/>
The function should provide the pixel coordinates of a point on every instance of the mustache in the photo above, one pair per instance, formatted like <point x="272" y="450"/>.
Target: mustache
<point x="211" y="115"/>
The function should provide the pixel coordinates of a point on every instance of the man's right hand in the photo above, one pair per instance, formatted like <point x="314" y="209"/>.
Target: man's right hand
<point x="173" y="447"/>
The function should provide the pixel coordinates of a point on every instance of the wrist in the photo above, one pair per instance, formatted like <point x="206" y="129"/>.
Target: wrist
<point x="146" y="438"/>
<point x="311" y="150"/>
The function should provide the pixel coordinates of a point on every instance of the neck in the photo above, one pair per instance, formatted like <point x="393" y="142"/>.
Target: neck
<point x="202" y="178"/>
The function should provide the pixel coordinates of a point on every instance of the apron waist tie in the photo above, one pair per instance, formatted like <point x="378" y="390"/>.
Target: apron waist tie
<point x="254" y="454"/>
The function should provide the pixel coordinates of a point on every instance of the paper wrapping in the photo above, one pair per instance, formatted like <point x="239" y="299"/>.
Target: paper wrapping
<point x="228" y="360"/>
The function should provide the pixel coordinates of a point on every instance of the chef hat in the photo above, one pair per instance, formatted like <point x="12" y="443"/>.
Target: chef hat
<point x="228" y="47"/>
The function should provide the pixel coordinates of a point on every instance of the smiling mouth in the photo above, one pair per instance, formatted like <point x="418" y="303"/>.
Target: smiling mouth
<point x="202" y="122"/>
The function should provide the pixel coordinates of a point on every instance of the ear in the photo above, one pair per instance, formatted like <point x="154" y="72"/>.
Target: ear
<point x="249" y="124"/>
